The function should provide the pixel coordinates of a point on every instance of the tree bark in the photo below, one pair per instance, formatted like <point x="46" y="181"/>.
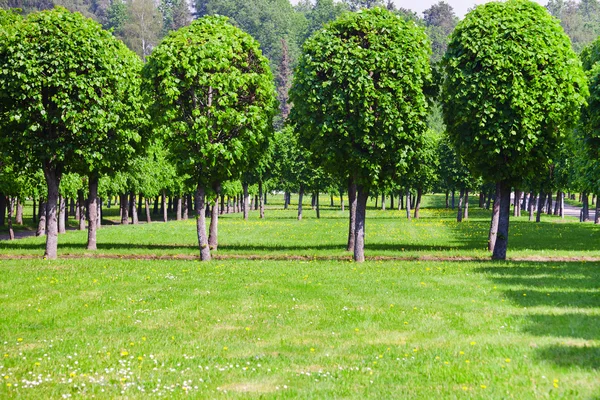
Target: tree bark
<point x="41" y="230"/>
<point x="418" y="203"/>
<point x="447" y="199"/>
<point x="459" y="214"/>
<point x="148" y="216"/>
<point x="557" y="203"/>
<point x="11" y="232"/>
<point x="541" y="203"/>
<point x="300" y="196"/>
<point x="124" y="209"/>
<point x="466" y="206"/>
<point x="19" y="213"/>
<point x="561" y="207"/>
<point x="139" y="202"/>
<point x="3" y="208"/>
<point x="286" y="200"/>
<point x="342" y="201"/>
<point x="597" y="213"/>
<point x="359" y="231"/>
<point x="246" y="200"/>
<point x="331" y="200"/>
<point x="201" y="224"/>
<point x="34" y="218"/>
<point x="72" y="208"/>
<point x="170" y="204"/>
<point x="524" y="203"/>
<point x="481" y="200"/>
<point x="261" y="199"/>
<point x="352" y="215"/>
<point x="155" y="206"/>
<point x="222" y="208"/>
<point x="585" y="197"/>
<point x="134" y="211"/>
<point x="531" y="205"/>
<point x="61" y="215"/>
<point x="516" y="203"/>
<point x="503" y="223"/>
<point x="453" y="191"/>
<point x="178" y="211"/>
<point x="53" y="177"/>
<point x="383" y="201"/>
<point x="81" y="210"/>
<point x="93" y="210"/>
<point x="495" y="219"/>
<point x="408" y="203"/>
<point x="391" y="200"/>
<point x="213" y="238"/>
<point x="163" y="206"/>
<point x="318" y="207"/>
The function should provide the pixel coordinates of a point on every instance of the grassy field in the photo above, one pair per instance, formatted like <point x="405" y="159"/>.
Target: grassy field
<point x="316" y="327"/>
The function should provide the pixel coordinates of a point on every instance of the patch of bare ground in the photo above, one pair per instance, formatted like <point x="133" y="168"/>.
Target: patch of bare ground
<point x="249" y="387"/>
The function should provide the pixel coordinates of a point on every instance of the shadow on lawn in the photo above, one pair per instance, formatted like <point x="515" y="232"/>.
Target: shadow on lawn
<point x="573" y="285"/>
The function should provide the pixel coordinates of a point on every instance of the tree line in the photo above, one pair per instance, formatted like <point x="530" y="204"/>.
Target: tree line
<point x="379" y="107"/>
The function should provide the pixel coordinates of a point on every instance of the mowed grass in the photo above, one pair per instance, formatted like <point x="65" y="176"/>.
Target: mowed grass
<point x="280" y="234"/>
<point x="321" y="327"/>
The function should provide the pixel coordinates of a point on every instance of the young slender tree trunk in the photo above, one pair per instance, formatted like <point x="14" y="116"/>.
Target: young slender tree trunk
<point x="466" y="207"/>
<point x="597" y="212"/>
<point x="352" y="215"/>
<point x="155" y="206"/>
<point x="11" y="232"/>
<point x="313" y="201"/>
<point x="331" y="200"/>
<point x="213" y="237"/>
<point x="488" y="200"/>
<point x="261" y="198"/>
<point x="286" y="200"/>
<point x="447" y="199"/>
<point x="300" y="196"/>
<point x="19" y="213"/>
<point x="163" y="206"/>
<point x="359" y="232"/>
<point x="169" y="204"/>
<point x="503" y="222"/>
<point x="585" y="197"/>
<point x="561" y="207"/>
<point x="93" y="210"/>
<point x="124" y="209"/>
<point x="81" y="210"/>
<point x="549" y="206"/>
<point x="391" y="200"/>
<point x="408" y="203"/>
<point x="524" y="202"/>
<point x="3" y="208"/>
<point x="222" y="208"/>
<point x="342" y="201"/>
<point x="481" y="200"/>
<point x="247" y="200"/>
<point x="531" y="205"/>
<point x="516" y="203"/>
<point x="453" y="194"/>
<point x="34" y="209"/>
<point x="148" y="216"/>
<point x="61" y="215"/>
<point x="557" y="203"/>
<point x="53" y="177"/>
<point x="418" y="203"/>
<point x="318" y="208"/>
<point x="383" y="201"/>
<point x="495" y="219"/>
<point x="201" y="224"/>
<point x="72" y="208"/>
<point x="459" y="214"/>
<point x="376" y="201"/>
<point x="139" y="203"/>
<point x="178" y="211"/>
<point x="541" y="203"/>
<point x="41" y="230"/>
<point x="400" y="201"/>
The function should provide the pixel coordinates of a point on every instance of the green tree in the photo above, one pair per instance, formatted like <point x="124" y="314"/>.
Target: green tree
<point x="358" y="99"/>
<point x="63" y="91"/>
<point x="213" y="97"/>
<point x="512" y="89"/>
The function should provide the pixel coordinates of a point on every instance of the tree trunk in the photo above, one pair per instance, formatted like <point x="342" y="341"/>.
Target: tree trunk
<point x="318" y="207"/>
<point x="352" y="216"/>
<point x="459" y="214"/>
<point x="481" y="200"/>
<point x="134" y="211"/>
<point x="541" y="203"/>
<point x="61" y="215"/>
<point x="222" y="208"/>
<point x="155" y="206"/>
<point x="170" y="204"/>
<point x="246" y="200"/>
<point x="41" y="230"/>
<point x="585" y="197"/>
<point x="201" y="224"/>
<point x="178" y="206"/>
<point x="261" y="199"/>
<point x="391" y="200"/>
<point x="228" y="208"/>
<point x="147" y="206"/>
<point x="557" y="203"/>
<point x="53" y="182"/>
<point x="418" y="203"/>
<point x="3" y="202"/>
<point x="72" y="208"/>
<point x="213" y="236"/>
<point x="524" y="202"/>
<point x="19" y="213"/>
<point x="163" y="206"/>
<point x="466" y="206"/>
<point x="93" y="210"/>
<point x="503" y="222"/>
<point x="408" y="203"/>
<point x="453" y="192"/>
<point x="489" y="199"/>
<point x="313" y="201"/>
<point x="34" y="209"/>
<point x="561" y="207"/>
<point x="342" y="201"/>
<point x="400" y="201"/>
<point x="359" y="230"/>
<point x="383" y="201"/>
<point x="447" y="199"/>
<point x="597" y="213"/>
<point x="495" y="219"/>
<point x="11" y="232"/>
<point x="81" y="210"/>
<point x="531" y="205"/>
<point x="124" y="209"/>
<point x="255" y="203"/>
<point x="140" y="205"/>
<point x="516" y="203"/>
<point x="286" y="200"/>
<point x="300" y="196"/>
<point x="331" y="200"/>
<point x="99" y="214"/>
<point x="376" y="201"/>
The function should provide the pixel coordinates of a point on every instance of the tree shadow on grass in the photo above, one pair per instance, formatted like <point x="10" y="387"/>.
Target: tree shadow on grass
<point x="569" y="285"/>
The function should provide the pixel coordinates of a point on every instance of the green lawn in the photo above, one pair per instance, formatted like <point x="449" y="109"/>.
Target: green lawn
<point x="319" y="327"/>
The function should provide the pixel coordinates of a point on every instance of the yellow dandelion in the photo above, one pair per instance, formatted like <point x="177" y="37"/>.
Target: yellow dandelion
<point x="124" y="353"/>
<point x="507" y="360"/>
<point x="483" y="386"/>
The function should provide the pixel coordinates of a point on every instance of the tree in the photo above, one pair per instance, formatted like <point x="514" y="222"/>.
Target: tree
<point x="62" y="92"/>
<point x="358" y="99"/>
<point x="440" y="21"/>
<point x="512" y="89"/>
<point x="212" y="96"/>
